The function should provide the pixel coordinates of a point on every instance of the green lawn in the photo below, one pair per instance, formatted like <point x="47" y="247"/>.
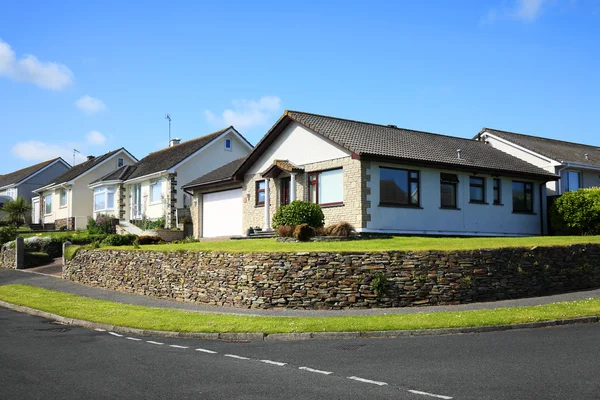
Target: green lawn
<point x="61" y="234"/>
<point x="405" y="243"/>
<point x="73" y="306"/>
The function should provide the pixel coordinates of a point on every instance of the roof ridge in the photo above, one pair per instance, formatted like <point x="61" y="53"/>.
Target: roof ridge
<point x="192" y="140"/>
<point x="539" y="137"/>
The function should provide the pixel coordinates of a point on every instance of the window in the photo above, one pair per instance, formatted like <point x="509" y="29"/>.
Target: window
<point x="326" y="188"/>
<point x="120" y="162"/>
<point x="48" y="204"/>
<point x="12" y="192"/>
<point x="448" y="184"/>
<point x="155" y="191"/>
<point x="260" y="193"/>
<point x="497" y="191"/>
<point x="522" y="196"/>
<point x="63" y="197"/>
<point x="228" y="144"/>
<point x="398" y="187"/>
<point x="572" y="181"/>
<point x="104" y="198"/>
<point x="477" y="189"/>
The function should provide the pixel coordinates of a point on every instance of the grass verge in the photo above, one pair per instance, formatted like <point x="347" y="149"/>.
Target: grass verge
<point x="102" y="311"/>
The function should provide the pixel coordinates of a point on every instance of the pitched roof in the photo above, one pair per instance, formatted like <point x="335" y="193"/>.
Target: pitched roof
<point x="119" y="174"/>
<point x="558" y="150"/>
<point x="18" y="176"/>
<point x="404" y="145"/>
<point x="222" y="174"/>
<point x="82" y="168"/>
<point x="165" y="159"/>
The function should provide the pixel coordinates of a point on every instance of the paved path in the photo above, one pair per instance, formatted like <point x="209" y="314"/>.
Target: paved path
<point x="49" y="282"/>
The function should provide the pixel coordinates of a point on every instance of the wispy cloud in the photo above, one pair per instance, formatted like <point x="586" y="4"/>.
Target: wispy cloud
<point x="522" y="10"/>
<point x="90" y="105"/>
<point x="247" y="114"/>
<point x="35" y="150"/>
<point x="95" y="138"/>
<point x="28" y="68"/>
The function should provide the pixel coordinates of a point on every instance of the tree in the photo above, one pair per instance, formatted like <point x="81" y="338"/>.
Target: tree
<point x="16" y="211"/>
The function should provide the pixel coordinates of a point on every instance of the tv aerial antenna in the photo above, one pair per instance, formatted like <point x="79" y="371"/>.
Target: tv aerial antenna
<point x="168" y="117"/>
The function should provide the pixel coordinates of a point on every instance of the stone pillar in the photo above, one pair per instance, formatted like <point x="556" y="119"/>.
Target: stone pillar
<point x="19" y="253"/>
<point x="292" y="187"/>
<point x="64" y="259"/>
<point x="267" y="224"/>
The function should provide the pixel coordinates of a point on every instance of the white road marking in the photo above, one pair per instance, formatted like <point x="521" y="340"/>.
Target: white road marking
<point x="315" y="370"/>
<point x="152" y="342"/>
<point x="238" y="357"/>
<point x="115" y="334"/>
<point x="356" y="378"/>
<point x="178" y="347"/>
<point x="439" y="396"/>
<point x="207" y="351"/>
<point x="133" y="338"/>
<point x="281" y="364"/>
<point x="100" y="330"/>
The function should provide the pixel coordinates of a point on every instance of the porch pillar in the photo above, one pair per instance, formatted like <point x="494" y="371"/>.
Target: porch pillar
<point x="267" y="224"/>
<point x="292" y="187"/>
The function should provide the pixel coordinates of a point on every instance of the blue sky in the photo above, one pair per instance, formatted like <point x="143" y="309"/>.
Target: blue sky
<point x="100" y="75"/>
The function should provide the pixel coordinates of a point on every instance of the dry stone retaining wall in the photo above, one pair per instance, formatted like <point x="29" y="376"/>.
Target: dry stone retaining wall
<point x="340" y="280"/>
<point x="8" y="257"/>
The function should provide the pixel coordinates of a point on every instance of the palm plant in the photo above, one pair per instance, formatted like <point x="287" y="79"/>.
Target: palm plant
<point x="16" y="211"/>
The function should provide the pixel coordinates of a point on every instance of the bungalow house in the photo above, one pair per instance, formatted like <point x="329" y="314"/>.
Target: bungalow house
<point x="67" y="200"/>
<point x="578" y="165"/>
<point x="380" y="178"/>
<point x="23" y="182"/>
<point x="149" y="189"/>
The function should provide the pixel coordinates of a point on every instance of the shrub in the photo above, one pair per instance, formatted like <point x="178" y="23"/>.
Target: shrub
<point x="8" y="234"/>
<point x="36" y="258"/>
<point x="119" y="240"/>
<point x="304" y="232"/>
<point x="578" y="211"/>
<point x="298" y="213"/>
<point x="380" y="284"/>
<point x="101" y="225"/>
<point x="342" y="229"/>
<point x="87" y="239"/>
<point x="149" y="240"/>
<point x="286" y="231"/>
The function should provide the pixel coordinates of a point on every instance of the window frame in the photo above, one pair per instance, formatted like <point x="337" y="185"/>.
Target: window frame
<point x="568" y="180"/>
<point x="158" y="183"/>
<point x="258" y="190"/>
<point x="230" y="142"/>
<point x="454" y="184"/>
<point x="105" y="190"/>
<point x="526" y="210"/>
<point x="317" y="183"/>
<point x="46" y="203"/>
<point x="409" y="179"/>
<point x="497" y="191"/>
<point x="481" y="185"/>
<point x="61" y="197"/>
<point x="120" y="162"/>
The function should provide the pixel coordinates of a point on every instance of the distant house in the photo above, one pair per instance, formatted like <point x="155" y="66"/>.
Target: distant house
<point x="151" y="188"/>
<point x="67" y="200"/>
<point x="578" y="165"/>
<point x="23" y="182"/>
<point x="380" y="178"/>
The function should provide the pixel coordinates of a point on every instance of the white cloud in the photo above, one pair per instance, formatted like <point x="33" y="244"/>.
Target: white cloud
<point x="90" y="105"/>
<point x="95" y="138"/>
<point x="528" y="10"/>
<point x="28" y="68"/>
<point x="247" y="114"/>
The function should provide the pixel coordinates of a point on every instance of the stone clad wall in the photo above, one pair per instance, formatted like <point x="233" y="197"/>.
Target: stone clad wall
<point x="340" y="280"/>
<point x="7" y="257"/>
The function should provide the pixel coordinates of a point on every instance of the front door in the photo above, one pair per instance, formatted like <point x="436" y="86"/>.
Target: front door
<point x="36" y="211"/>
<point x="285" y="190"/>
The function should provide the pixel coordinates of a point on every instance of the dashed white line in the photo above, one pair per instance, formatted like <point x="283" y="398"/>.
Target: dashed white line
<point x="100" y="330"/>
<point x="115" y="334"/>
<point x="318" y="371"/>
<point x="178" y="347"/>
<point x="439" y="396"/>
<point x="281" y="364"/>
<point x="237" y="357"/>
<point x="356" y="378"/>
<point x="153" y="342"/>
<point x="207" y="351"/>
<point x="133" y="338"/>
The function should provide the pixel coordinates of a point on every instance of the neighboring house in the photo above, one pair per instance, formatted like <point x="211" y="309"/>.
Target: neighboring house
<point x="150" y="189"/>
<point x="67" y="200"/>
<point x="578" y="165"/>
<point x="23" y="182"/>
<point x="379" y="178"/>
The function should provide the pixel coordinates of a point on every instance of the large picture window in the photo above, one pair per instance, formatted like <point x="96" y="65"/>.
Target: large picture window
<point x="327" y="187"/>
<point x="156" y="191"/>
<point x="104" y="198"/>
<point x="448" y="183"/>
<point x="48" y="204"/>
<point x="522" y="193"/>
<point x="260" y="193"/>
<point x="477" y="189"/>
<point x="399" y="187"/>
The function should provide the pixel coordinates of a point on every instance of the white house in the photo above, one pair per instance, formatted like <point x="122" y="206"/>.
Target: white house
<point x="67" y="200"/>
<point x="578" y="165"/>
<point x="380" y="178"/>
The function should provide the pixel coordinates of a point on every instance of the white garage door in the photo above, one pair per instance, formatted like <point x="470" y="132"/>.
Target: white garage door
<point x="222" y="213"/>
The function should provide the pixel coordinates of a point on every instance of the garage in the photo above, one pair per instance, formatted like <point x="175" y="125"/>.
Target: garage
<point x="222" y="213"/>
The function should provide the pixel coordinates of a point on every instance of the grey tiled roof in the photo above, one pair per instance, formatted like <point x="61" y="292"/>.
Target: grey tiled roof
<point x="557" y="150"/>
<point x="366" y="139"/>
<point x="221" y="174"/>
<point x="119" y="174"/>
<point x="18" y="176"/>
<point x="85" y="166"/>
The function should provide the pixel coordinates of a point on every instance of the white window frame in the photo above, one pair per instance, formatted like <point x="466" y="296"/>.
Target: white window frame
<point x="153" y="184"/>
<point x="11" y="192"/>
<point x="120" y="162"/>
<point x="230" y="147"/>
<point x="46" y="203"/>
<point x="61" y="197"/>
<point x="105" y="190"/>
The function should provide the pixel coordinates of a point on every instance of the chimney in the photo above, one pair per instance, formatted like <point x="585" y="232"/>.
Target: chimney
<point x="174" y="142"/>
<point x="393" y="126"/>
<point x="458" y="153"/>
<point x="90" y="158"/>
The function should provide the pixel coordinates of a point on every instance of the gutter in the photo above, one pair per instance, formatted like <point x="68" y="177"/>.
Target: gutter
<point x="145" y="177"/>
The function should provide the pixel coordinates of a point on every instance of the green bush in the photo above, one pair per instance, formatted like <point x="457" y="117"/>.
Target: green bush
<point x="303" y="232"/>
<point x="36" y="258"/>
<point x="101" y="225"/>
<point x="577" y="212"/>
<point x="119" y="240"/>
<point x="298" y="213"/>
<point x="8" y="234"/>
<point x="86" y="239"/>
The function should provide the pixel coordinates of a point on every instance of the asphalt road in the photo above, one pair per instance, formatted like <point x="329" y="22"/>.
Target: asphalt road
<point x="40" y="359"/>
